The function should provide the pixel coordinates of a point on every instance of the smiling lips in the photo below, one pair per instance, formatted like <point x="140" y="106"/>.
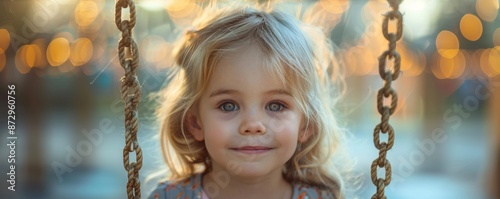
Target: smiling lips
<point x="252" y="149"/>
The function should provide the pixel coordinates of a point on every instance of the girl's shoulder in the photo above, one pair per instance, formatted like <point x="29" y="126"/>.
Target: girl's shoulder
<point x="188" y="188"/>
<point x="304" y="191"/>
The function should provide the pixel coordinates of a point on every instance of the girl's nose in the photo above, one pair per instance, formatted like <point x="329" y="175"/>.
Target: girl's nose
<point x="252" y="125"/>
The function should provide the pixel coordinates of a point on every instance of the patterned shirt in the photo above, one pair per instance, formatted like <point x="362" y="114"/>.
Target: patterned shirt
<point x="191" y="189"/>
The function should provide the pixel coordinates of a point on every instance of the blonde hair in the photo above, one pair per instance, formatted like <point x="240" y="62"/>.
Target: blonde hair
<point x="298" y="55"/>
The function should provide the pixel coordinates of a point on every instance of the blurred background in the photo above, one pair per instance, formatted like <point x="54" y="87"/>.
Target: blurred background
<point x="61" y="55"/>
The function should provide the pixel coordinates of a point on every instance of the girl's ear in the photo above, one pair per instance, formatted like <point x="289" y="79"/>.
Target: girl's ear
<point x="305" y="133"/>
<point x="194" y="126"/>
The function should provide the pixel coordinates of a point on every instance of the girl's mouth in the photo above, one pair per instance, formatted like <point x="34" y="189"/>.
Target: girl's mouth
<point x="252" y="149"/>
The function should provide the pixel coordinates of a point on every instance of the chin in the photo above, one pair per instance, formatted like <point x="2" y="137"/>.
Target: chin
<point x="248" y="169"/>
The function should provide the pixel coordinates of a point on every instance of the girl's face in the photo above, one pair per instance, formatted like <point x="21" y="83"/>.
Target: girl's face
<point x="249" y="121"/>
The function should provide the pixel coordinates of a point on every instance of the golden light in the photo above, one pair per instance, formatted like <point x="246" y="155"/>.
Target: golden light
<point x="373" y="38"/>
<point x="335" y="6"/>
<point x="40" y="57"/>
<point x="446" y="65"/>
<point x="22" y="64"/>
<point x="459" y="64"/>
<point x="359" y="60"/>
<point x="4" y="39"/>
<point x="2" y="60"/>
<point x="487" y="9"/>
<point x="447" y="44"/>
<point x="58" y="51"/>
<point x="471" y="27"/>
<point x="436" y="67"/>
<point x="184" y="16"/>
<point x="86" y="12"/>
<point x="412" y="62"/>
<point x="422" y="64"/>
<point x="178" y="5"/>
<point x="168" y="59"/>
<point x="81" y="51"/>
<point x="318" y="16"/>
<point x="154" y="48"/>
<point x="372" y="11"/>
<point x="496" y="37"/>
<point x="484" y="62"/>
<point x="26" y="57"/>
<point x="494" y="59"/>
<point x="407" y="57"/>
<point x="30" y="55"/>
<point x="95" y="26"/>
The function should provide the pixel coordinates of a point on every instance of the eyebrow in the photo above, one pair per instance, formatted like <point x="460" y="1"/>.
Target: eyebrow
<point x="230" y="91"/>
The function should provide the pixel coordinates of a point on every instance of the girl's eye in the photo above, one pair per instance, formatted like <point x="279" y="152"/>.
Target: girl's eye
<point x="229" y="106"/>
<point x="275" y="106"/>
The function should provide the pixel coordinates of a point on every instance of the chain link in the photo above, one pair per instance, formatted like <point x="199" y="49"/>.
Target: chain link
<point x="387" y="91"/>
<point x="131" y="95"/>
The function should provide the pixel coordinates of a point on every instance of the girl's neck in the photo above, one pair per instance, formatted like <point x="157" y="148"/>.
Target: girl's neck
<point x="221" y="184"/>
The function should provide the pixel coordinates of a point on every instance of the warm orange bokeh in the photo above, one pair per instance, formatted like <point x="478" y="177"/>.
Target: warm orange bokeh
<point x="471" y="27"/>
<point x="447" y="44"/>
<point x="58" y="51"/>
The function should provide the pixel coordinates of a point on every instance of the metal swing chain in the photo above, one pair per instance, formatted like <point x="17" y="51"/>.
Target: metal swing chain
<point x="385" y="92"/>
<point x="131" y="95"/>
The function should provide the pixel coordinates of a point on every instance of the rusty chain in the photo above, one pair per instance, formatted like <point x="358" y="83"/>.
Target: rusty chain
<point x="385" y="92"/>
<point x="131" y="95"/>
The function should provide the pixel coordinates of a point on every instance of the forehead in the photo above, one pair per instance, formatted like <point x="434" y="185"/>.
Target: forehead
<point x="245" y="68"/>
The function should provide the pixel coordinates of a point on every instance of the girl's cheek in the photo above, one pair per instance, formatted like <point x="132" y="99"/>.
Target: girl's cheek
<point x="277" y="124"/>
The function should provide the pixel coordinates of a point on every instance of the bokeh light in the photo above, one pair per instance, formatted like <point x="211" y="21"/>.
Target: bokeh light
<point x="373" y="39"/>
<point x="183" y="11"/>
<point x="86" y="12"/>
<point x="484" y="62"/>
<point x="81" y="51"/>
<point x="30" y="55"/>
<point x="452" y="68"/>
<point x="419" y="66"/>
<point x="58" y="51"/>
<point x="412" y="63"/>
<point x="449" y="68"/>
<point x="494" y="59"/>
<point x="471" y="27"/>
<point x="22" y="63"/>
<point x="4" y="39"/>
<point x="153" y="48"/>
<point x="359" y="60"/>
<point x="335" y="6"/>
<point x="40" y="49"/>
<point x="407" y="57"/>
<point x="372" y="11"/>
<point x="3" y="60"/>
<point x="447" y="44"/>
<point x="317" y="15"/>
<point x="487" y="9"/>
<point x="496" y="37"/>
<point x="178" y="5"/>
<point x="436" y="66"/>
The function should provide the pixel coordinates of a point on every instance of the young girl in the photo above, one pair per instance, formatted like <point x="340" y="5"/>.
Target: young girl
<point x="248" y="112"/>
